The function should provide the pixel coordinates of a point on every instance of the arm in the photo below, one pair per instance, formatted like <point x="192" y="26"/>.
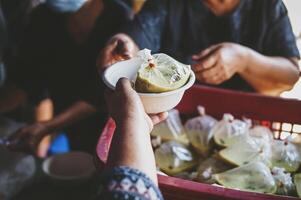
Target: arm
<point x="267" y="75"/>
<point x="73" y="114"/>
<point x="27" y="138"/>
<point x="145" y="31"/>
<point x="131" y="169"/>
<point x="131" y="144"/>
<point x="270" y="75"/>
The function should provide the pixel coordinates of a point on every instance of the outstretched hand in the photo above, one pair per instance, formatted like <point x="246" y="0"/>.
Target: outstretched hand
<point x="119" y="47"/>
<point x="127" y="109"/>
<point x="28" y="138"/>
<point x="219" y="63"/>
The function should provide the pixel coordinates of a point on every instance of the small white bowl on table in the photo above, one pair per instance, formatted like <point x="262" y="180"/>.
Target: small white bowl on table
<point x="69" y="169"/>
<point x="153" y="102"/>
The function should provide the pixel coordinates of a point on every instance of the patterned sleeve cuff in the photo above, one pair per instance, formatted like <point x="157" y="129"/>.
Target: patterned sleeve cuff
<point x="129" y="184"/>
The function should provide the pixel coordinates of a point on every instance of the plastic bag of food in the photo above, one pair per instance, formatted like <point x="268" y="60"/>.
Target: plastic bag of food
<point x="198" y="131"/>
<point x="171" y="129"/>
<point x="211" y="166"/>
<point x="229" y="130"/>
<point x="160" y="73"/>
<point x="248" y="150"/>
<point x="285" y="155"/>
<point x="262" y="132"/>
<point x="173" y="157"/>
<point x="284" y="182"/>
<point x="191" y="176"/>
<point x="297" y="182"/>
<point x="254" y="177"/>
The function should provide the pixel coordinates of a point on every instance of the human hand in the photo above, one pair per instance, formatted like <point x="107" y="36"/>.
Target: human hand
<point x="219" y="63"/>
<point x="119" y="47"/>
<point x="127" y="110"/>
<point x="28" y="138"/>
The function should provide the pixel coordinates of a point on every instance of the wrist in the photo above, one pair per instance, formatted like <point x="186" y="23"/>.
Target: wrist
<point x="246" y="57"/>
<point x="132" y="125"/>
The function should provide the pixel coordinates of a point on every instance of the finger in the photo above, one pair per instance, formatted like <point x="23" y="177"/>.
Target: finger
<point x="157" y="118"/>
<point x="214" y="80"/>
<point x="205" y="52"/>
<point x="110" y="47"/>
<point x="123" y="84"/>
<point x="209" y="73"/>
<point x="163" y="116"/>
<point x="205" y="64"/>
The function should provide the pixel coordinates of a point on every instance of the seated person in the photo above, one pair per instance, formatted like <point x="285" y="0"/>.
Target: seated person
<point x="236" y="44"/>
<point x="57" y="61"/>
<point x="128" y="166"/>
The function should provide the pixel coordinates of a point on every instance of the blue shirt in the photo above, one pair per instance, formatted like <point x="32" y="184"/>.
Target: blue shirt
<point x="182" y="28"/>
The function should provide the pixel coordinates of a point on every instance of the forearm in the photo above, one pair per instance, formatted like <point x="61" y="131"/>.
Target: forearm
<point x="76" y="112"/>
<point x="269" y="75"/>
<point x="131" y="147"/>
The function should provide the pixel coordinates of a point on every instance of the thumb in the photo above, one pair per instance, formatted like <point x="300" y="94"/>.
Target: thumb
<point x="123" y="85"/>
<point x="111" y="47"/>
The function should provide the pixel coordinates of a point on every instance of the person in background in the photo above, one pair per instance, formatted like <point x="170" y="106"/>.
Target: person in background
<point x="57" y="61"/>
<point x="13" y="20"/>
<point x="245" y="45"/>
<point x="130" y="172"/>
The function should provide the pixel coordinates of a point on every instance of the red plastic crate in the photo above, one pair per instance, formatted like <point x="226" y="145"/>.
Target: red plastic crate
<point x="283" y="116"/>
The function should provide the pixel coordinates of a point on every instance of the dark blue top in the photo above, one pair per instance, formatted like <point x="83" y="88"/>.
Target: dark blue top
<point x="182" y="28"/>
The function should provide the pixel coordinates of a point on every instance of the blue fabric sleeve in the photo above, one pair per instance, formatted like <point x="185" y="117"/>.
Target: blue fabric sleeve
<point x="124" y="183"/>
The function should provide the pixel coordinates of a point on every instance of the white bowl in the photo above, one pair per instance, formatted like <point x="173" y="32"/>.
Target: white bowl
<point x="70" y="168"/>
<point x="152" y="102"/>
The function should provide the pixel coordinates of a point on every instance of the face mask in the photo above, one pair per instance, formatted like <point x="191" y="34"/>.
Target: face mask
<point x="65" y="6"/>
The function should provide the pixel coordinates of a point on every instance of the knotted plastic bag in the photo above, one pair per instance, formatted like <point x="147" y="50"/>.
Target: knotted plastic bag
<point x="255" y="177"/>
<point x="284" y="181"/>
<point x="198" y="131"/>
<point x="262" y="133"/>
<point x="173" y="157"/>
<point x="229" y="130"/>
<point x="171" y="129"/>
<point x="248" y="150"/>
<point x="297" y="182"/>
<point x="160" y="73"/>
<point x="211" y="166"/>
<point x="285" y="155"/>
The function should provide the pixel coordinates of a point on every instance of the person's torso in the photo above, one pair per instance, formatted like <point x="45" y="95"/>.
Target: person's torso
<point x="192" y="27"/>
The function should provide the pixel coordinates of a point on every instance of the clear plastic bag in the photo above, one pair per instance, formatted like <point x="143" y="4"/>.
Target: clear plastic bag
<point x="284" y="181"/>
<point x="171" y="129"/>
<point x="229" y="130"/>
<point x="297" y="182"/>
<point x="160" y="73"/>
<point x="198" y="131"/>
<point x="191" y="176"/>
<point x="211" y="166"/>
<point x="262" y="133"/>
<point x="254" y="176"/>
<point x="248" y="150"/>
<point x="173" y="157"/>
<point x="285" y="155"/>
